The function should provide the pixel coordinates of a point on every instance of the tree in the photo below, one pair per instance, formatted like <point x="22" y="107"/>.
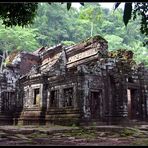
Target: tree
<point x="54" y="24"/>
<point x="18" y="38"/>
<point x="132" y="10"/>
<point x="92" y="13"/>
<point x="21" y="14"/>
<point x="26" y="13"/>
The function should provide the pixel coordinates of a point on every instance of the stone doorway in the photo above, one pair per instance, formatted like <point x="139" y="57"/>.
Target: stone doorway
<point x="133" y="103"/>
<point x="53" y="98"/>
<point x="95" y="104"/>
<point x="36" y="96"/>
<point x="68" y="97"/>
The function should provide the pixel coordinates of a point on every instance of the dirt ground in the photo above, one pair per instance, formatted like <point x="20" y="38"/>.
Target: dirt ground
<point x="73" y="136"/>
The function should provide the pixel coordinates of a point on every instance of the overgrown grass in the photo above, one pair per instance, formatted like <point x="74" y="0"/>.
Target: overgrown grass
<point x="140" y="142"/>
<point x="129" y="132"/>
<point x="82" y="133"/>
<point x="38" y="135"/>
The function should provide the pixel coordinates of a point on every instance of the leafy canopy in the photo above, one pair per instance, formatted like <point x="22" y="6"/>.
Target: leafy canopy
<point x="53" y="24"/>
<point x="21" y="14"/>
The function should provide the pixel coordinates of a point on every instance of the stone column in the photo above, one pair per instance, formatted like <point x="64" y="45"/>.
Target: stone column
<point x="41" y="95"/>
<point x="86" y="106"/>
<point x="61" y="99"/>
<point x="0" y="99"/>
<point x="31" y="97"/>
<point x="48" y="95"/>
<point x="75" y="97"/>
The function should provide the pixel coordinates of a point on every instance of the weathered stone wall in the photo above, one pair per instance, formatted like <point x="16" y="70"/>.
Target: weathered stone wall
<point x="44" y="110"/>
<point x="86" y="51"/>
<point x="6" y="107"/>
<point x="84" y="71"/>
<point x="77" y="84"/>
<point x="28" y="60"/>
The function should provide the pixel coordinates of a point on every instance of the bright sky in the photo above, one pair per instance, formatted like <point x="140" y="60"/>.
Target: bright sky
<point x="109" y="5"/>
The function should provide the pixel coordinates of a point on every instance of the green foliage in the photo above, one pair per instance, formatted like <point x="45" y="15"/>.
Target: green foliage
<point x="129" y="132"/>
<point x="140" y="9"/>
<point x="82" y="133"/>
<point x="23" y="14"/>
<point x="20" y="14"/>
<point x="11" y="57"/>
<point x="140" y="142"/>
<point x="114" y="41"/>
<point x="17" y="38"/>
<point x="124" y="60"/>
<point x="68" y="43"/>
<point x="53" y="24"/>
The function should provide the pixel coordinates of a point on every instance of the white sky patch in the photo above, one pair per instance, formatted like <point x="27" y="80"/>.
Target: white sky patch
<point x="76" y="5"/>
<point x="109" y="5"/>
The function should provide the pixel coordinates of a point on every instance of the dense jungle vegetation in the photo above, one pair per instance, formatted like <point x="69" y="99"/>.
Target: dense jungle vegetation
<point x="54" y="24"/>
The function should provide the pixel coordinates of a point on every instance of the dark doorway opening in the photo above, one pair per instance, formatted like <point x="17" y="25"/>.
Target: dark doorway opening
<point x="53" y="98"/>
<point x="36" y="96"/>
<point x="133" y="103"/>
<point x="95" y="104"/>
<point x="68" y="97"/>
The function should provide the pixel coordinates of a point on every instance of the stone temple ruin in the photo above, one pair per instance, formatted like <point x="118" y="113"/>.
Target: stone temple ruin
<point x="78" y="84"/>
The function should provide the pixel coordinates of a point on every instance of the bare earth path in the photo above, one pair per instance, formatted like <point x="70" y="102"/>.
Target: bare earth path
<point x="83" y="136"/>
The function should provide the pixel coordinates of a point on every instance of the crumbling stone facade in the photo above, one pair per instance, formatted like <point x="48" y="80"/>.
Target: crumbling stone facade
<point x="79" y="84"/>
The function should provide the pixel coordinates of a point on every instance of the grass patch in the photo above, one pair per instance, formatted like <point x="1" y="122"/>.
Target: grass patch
<point x="140" y="142"/>
<point x="129" y="132"/>
<point x="82" y="133"/>
<point x="38" y="135"/>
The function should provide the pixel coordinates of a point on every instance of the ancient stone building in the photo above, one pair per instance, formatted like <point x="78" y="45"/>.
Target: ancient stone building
<point x="80" y="84"/>
<point x="17" y="66"/>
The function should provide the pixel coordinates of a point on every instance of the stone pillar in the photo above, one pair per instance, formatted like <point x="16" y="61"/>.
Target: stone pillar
<point x="144" y="96"/>
<point x="31" y="96"/>
<point x="48" y="95"/>
<point x="0" y="99"/>
<point x="61" y="99"/>
<point x="75" y="103"/>
<point x="86" y="107"/>
<point x="44" y="95"/>
<point x="41" y="95"/>
<point x="79" y="94"/>
<point x="3" y="86"/>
